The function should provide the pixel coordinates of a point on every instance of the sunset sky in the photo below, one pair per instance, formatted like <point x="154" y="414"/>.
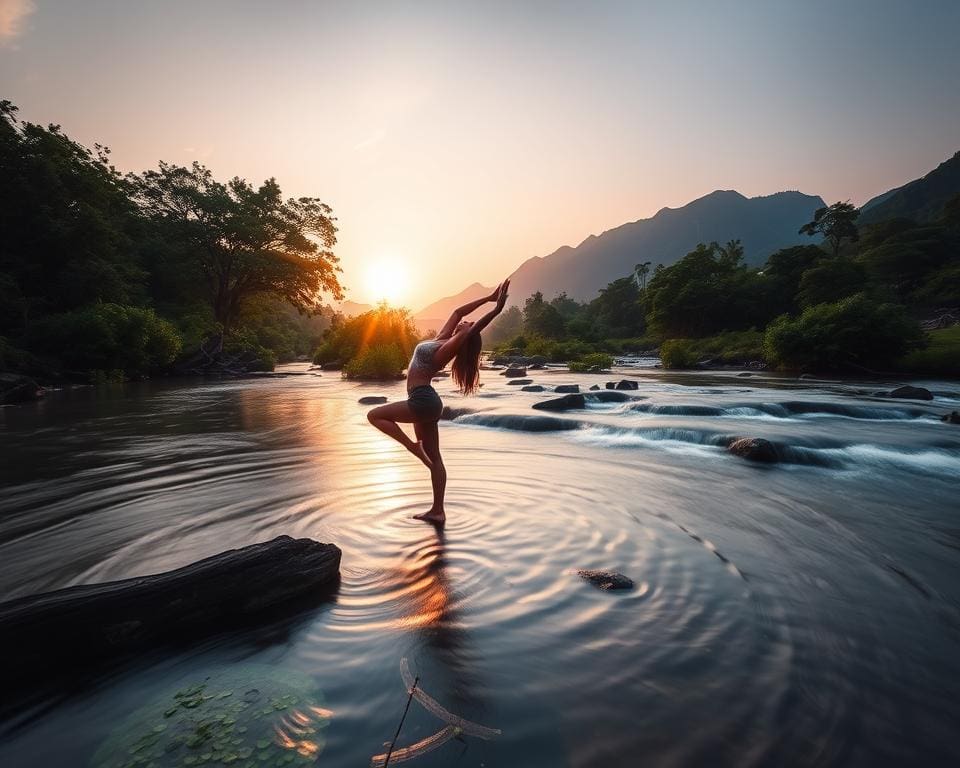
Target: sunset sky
<point x="454" y="140"/>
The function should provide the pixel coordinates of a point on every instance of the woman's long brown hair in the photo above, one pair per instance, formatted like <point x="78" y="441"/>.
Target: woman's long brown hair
<point x="466" y="364"/>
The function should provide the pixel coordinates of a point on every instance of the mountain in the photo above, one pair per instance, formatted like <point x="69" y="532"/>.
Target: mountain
<point x="432" y="317"/>
<point x="352" y="308"/>
<point x="762" y="224"/>
<point x="921" y="200"/>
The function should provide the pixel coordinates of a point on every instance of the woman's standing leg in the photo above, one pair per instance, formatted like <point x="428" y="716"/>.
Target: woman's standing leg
<point x="430" y="436"/>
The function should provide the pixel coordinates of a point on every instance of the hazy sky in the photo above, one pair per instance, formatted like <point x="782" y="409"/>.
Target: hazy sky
<point x="455" y="140"/>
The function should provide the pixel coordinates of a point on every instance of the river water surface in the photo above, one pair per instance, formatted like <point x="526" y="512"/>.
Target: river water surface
<point x="803" y="613"/>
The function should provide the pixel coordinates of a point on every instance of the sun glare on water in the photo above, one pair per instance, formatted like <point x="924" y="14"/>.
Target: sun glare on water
<point x="387" y="280"/>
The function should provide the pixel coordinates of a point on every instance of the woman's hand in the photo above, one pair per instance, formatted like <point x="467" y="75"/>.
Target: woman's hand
<point x="501" y="295"/>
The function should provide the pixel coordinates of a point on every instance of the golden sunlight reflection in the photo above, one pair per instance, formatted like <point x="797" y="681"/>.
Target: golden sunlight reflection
<point x="387" y="279"/>
<point x="300" y="731"/>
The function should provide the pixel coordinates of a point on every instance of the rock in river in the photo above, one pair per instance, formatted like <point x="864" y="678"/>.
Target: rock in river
<point x="911" y="393"/>
<point x="514" y="373"/>
<point x="372" y="400"/>
<point x="595" y="387"/>
<point x="567" y="388"/>
<point x="951" y="418"/>
<point x="521" y="381"/>
<point x="754" y="449"/>
<point x="15" y="388"/>
<point x="606" y="579"/>
<point x="623" y="384"/>
<point x="565" y="403"/>
<point x="533" y="388"/>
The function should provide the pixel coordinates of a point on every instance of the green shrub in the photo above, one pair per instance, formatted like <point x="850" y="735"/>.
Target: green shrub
<point x="384" y="361"/>
<point x="382" y="326"/>
<point x="108" y="337"/>
<point x="594" y="362"/>
<point x="854" y="332"/>
<point x="677" y="353"/>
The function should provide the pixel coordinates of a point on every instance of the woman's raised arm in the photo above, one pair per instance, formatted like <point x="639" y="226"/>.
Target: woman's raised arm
<point x="501" y="298"/>
<point x="461" y="312"/>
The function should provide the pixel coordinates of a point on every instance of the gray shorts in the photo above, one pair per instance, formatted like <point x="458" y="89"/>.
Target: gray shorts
<point x="425" y="403"/>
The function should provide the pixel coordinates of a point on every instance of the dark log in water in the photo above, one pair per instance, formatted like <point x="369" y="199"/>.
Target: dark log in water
<point x="71" y="627"/>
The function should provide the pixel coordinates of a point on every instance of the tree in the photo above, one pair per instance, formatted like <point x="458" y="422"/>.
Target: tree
<point x="506" y="325"/>
<point x="836" y="223"/>
<point x="542" y="318"/>
<point x="641" y="271"/>
<point x="830" y="280"/>
<point x="617" y="311"/>
<point x="855" y="331"/>
<point x="68" y="226"/>
<point x="241" y="241"/>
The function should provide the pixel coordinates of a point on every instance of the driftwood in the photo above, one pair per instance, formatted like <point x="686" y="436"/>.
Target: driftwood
<point x="71" y="627"/>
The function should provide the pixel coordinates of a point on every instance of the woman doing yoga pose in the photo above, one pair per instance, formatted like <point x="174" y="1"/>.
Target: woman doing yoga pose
<point x="459" y="341"/>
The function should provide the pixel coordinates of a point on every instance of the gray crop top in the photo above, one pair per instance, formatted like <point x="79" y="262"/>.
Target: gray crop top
<point x="422" y="359"/>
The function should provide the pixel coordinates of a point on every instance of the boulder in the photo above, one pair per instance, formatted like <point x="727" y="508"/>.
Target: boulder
<point x="951" y="418"/>
<point x="372" y="400"/>
<point x="72" y="627"/>
<point x="565" y="403"/>
<point x="754" y="449"/>
<point x="532" y="388"/>
<point x="15" y="388"/>
<point x="520" y="381"/>
<point x="595" y="387"/>
<point x="563" y="388"/>
<point x="514" y="373"/>
<point x="627" y="384"/>
<point x="911" y="393"/>
<point x="607" y="580"/>
<point x="606" y="396"/>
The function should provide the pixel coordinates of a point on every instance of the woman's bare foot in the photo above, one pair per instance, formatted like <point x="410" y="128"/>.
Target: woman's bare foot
<point x="432" y="516"/>
<point x="417" y="450"/>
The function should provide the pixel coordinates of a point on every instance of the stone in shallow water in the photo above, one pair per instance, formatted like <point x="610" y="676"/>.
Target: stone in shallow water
<point x="521" y="382"/>
<point x="514" y="373"/>
<point x="623" y="384"/>
<point x="372" y="400"/>
<point x="564" y="403"/>
<point x="754" y="449"/>
<point x="533" y="388"/>
<point x="567" y="388"/>
<point x="606" y="579"/>
<point x="911" y="393"/>
<point x="951" y="418"/>
<point x="595" y="387"/>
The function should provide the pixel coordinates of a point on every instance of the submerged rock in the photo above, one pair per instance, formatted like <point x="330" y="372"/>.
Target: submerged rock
<point x="754" y="449"/>
<point x="448" y="413"/>
<point x="567" y="388"/>
<point x="372" y="400"/>
<point x="520" y="381"/>
<point x="951" y="418"/>
<point x="607" y="579"/>
<point x="911" y="393"/>
<point x="605" y="396"/>
<point x="514" y="373"/>
<point x="15" y="388"/>
<point x="533" y="388"/>
<point x="565" y="403"/>
<point x="744" y="375"/>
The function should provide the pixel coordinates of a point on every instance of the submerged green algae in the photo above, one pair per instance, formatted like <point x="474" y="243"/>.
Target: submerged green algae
<point x="246" y="717"/>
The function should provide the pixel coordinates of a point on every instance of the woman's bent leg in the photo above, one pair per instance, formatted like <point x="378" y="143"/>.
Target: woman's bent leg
<point x="385" y="418"/>
<point x="438" y="473"/>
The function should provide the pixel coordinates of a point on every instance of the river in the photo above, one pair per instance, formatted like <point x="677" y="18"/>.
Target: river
<point x="800" y="613"/>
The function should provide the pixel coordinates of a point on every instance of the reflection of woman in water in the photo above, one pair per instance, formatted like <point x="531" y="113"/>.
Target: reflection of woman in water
<point x="459" y="341"/>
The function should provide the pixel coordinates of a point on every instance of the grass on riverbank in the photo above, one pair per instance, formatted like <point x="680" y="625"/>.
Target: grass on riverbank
<point x="941" y="356"/>
<point x="728" y="348"/>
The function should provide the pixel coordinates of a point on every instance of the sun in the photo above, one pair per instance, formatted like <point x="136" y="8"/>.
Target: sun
<point x="387" y="280"/>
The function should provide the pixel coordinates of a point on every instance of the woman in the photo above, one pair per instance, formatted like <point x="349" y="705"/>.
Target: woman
<point x="459" y="341"/>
